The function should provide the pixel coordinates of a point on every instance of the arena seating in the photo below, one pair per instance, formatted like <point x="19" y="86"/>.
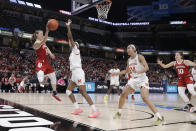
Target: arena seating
<point x="21" y="61"/>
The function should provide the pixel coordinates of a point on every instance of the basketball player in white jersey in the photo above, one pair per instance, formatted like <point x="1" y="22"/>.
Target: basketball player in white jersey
<point x="137" y="67"/>
<point x="193" y="72"/>
<point x="114" y="81"/>
<point x="78" y="76"/>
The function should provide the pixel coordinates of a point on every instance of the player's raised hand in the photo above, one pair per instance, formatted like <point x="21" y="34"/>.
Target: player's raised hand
<point x="159" y="61"/>
<point x="68" y="23"/>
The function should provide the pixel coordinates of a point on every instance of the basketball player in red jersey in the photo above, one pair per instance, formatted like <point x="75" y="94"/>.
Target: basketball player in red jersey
<point x="185" y="79"/>
<point x="43" y="66"/>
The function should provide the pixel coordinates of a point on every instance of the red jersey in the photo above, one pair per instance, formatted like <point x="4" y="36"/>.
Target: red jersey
<point x="42" y="61"/>
<point x="42" y="53"/>
<point x="182" y="70"/>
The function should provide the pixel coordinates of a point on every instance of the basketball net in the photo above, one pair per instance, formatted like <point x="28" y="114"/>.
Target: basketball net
<point x="103" y="9"/>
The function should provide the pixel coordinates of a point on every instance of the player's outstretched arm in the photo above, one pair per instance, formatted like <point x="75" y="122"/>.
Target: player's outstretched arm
<point x="122" y="72"/>
<point x="46" y="35"/>
<point x="50" y="53"/>
<point x="165" y="65"/>
<point x="69" y="34"/>
<point x="37" y="44"/>
<point x="189" y="63"/>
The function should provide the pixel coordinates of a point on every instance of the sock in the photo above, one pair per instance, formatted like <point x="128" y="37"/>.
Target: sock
<point x="106" y="95"/>
<point x="76" y="105"/>
<point x="120" y="110"/>
<point x="93" y="107"/>
<point x="158" y="115"/>
<point x="42" y="85"/>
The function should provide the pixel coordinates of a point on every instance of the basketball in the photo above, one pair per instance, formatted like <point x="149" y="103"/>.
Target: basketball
<point x="52" y="24"/>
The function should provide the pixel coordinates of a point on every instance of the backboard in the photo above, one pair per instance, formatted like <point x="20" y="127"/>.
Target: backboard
<point x="78" y="6"/>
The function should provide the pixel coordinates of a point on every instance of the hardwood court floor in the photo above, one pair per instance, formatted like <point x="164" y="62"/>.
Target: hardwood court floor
<point x="135" y="114"/>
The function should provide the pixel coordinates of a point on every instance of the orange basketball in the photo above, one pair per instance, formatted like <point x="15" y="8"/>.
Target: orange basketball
<point x="52" y="24"/>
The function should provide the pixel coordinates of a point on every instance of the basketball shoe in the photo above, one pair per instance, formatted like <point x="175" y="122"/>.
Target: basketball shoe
<point x="117" y="115"/>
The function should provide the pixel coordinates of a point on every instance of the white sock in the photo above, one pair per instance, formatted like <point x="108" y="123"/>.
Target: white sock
<point x="42" y="85"/>
<point x="76" y="105"/>
<point x="158" y="115"/>
<point x="119" y="110"/>
<point x="93" y="107"/>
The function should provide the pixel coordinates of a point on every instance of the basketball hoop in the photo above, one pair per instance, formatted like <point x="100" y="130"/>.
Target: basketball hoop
<point x="103" y="9"/>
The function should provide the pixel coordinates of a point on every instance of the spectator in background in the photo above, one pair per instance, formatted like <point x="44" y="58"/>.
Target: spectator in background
<point x="61" y="85"/>
<point x="94" y="68"/>
<point x="5" y="83"/>
<point x="12" y="83"/>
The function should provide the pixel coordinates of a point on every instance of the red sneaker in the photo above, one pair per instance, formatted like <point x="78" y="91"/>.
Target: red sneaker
<point x="77" y="111"/>
<point x="132" y="97"/>
<point x="56" y="97"/>
<point x="94" y="114"/>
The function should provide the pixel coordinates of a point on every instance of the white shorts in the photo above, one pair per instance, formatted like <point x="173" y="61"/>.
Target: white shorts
<point x="137" y="83"/>
<point x="78" y="76"/>
<point x="113" y="82"/>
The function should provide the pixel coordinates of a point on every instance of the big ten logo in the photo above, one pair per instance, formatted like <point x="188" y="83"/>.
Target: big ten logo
<point x="163" y="6"/>
<point x="17" y="120"/>
<point x="88" y="86"/>
<point x="171" y="88"/>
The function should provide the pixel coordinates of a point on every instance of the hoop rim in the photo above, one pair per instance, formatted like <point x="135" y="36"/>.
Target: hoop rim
<point x="109" y="2"/>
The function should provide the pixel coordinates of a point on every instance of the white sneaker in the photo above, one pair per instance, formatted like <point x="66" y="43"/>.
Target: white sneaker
<point x="193" y="110"/>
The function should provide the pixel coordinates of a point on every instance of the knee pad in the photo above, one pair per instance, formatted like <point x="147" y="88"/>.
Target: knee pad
<point x="40" y="76"/>
<point x="68" y="92"/>
<point x="52" y="77"/>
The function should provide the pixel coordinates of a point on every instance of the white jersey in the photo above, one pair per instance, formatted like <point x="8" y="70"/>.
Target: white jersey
<point x="193" y="72"/>
<point x="134" y="64"/>
<point x="75" y="58"/>
<point x="114" y="78"/>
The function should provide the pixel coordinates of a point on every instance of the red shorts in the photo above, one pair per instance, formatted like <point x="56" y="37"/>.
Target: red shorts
<point x="44" y="66"/>
<point x="184" y="81"/>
